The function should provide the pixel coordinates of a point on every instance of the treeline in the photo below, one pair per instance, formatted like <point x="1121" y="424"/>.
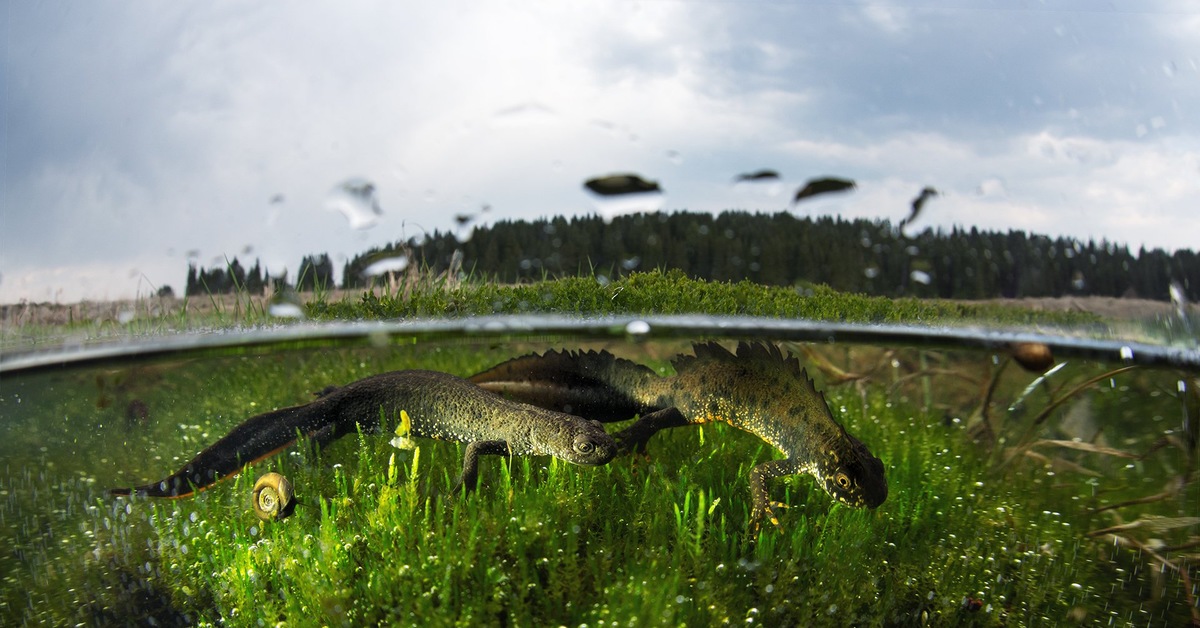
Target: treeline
<point x="316" y="271"/>
<point x="859" y="255"/>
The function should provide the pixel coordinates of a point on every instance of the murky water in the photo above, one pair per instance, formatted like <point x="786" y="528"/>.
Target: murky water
<point x="1078" y="488"/>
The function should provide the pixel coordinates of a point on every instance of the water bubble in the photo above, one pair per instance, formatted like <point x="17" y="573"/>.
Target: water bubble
<point x="1127" y="354"/>
<point x="631" y="263"/>
<point x="871" y="272"/>
<point x="524" y="114"/>
<point x="1077" y="281"/>
<point x="992" y="187"/>
<point x="285" y="309"/>
<point x="637" y="328"/>
<point x="921" y="277"/>
<point x="386" y="265"/>
<point x="355" y="199"/>
<point x="618" y="194"/>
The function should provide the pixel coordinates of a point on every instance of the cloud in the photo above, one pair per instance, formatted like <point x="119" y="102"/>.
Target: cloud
<point x="136" y="131"/>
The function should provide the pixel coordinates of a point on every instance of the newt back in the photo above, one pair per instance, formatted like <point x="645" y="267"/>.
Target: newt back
<point x="758" y="390"/>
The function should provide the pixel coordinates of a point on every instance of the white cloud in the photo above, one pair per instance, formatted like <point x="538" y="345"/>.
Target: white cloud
<point x="178" y="138"/>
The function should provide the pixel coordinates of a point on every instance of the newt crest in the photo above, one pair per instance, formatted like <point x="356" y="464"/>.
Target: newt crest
<point x="756" y="389"/>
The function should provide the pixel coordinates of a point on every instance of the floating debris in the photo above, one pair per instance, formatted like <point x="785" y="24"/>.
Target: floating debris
<point x="137" y="413"/>
<point x="757" y="175"/>
<point x="621" y="184"/>
<point x="823" y="185"/>
<point x="918" y="204"/>
<point x="356" y="200"/>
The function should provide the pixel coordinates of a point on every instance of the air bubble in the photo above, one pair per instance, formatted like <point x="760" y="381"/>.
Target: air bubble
<point x="386" y="265"/>
<point x="637" y="328"/>
<point x="284" y="309"/>
<point x="355" y="199"/>
<point x="921" y="277"/>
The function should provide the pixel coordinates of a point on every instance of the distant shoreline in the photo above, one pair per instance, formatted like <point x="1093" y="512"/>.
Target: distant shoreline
<point x="101" y="312"/>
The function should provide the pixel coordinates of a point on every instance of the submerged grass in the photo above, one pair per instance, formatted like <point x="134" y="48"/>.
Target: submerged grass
<point x="660" y="538"/>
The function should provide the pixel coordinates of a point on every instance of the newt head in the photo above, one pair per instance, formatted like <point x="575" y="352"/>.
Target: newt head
<point x="575" y="440"/>
<point x="852" y="476"/>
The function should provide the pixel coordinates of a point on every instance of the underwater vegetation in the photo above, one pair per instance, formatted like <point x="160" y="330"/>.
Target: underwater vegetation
<point x="1016" y="498"/>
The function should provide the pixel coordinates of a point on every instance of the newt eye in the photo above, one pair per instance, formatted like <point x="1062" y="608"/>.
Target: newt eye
<point x="842" y="480"/>
<point x="585" y="447"/>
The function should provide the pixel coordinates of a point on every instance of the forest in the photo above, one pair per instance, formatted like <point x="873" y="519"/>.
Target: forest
<point x="860" y="256"/>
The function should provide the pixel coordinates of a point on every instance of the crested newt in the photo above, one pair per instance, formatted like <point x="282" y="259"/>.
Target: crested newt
<point x="757" y="390"/>
<point x="439" y="406"/>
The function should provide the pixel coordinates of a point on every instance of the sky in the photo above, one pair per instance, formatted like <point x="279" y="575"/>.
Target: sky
<point x="139" y="137"/>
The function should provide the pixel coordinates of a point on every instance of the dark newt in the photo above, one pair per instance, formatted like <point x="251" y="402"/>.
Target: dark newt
<point x="439" y="406"/>
<point x="757" y="390"/>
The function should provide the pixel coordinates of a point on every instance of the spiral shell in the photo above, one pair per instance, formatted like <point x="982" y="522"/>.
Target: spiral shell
<point x="1032" y="356"/>
<point x="272" y="497"/>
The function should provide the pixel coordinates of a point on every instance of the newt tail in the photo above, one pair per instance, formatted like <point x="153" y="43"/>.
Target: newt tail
<point x="757" y="390"/>
<point x="439" y="405"/>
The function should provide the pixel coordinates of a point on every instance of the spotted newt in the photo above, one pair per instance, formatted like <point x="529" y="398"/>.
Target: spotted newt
<point x="757" y="390"/>
<point x="439" y="406"/>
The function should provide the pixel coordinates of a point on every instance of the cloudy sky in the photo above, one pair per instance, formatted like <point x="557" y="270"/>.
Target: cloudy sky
<point x="139" y="135"/>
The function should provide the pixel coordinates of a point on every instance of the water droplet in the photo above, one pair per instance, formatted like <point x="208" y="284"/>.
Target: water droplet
<point x="524" y="114"/>
<point x="637" y="328"/>
<point x="992" y="187"/>
<point x="921" y="277"/>
<point x="386" y="265"/>
<point x="284" y="309"/>
<point x="355" y="199"/>
<point x="618" y="194"/>
<point x="1077" y="282"/>
<point x="1127" y="354"/>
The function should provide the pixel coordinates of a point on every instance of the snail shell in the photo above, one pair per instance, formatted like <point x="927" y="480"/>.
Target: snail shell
<point x="1032" y="356"/>
<point x="272" y="497"/>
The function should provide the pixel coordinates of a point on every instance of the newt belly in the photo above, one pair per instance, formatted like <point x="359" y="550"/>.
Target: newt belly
<point x="757" y="390"/>
<point x="439" y="406"/>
